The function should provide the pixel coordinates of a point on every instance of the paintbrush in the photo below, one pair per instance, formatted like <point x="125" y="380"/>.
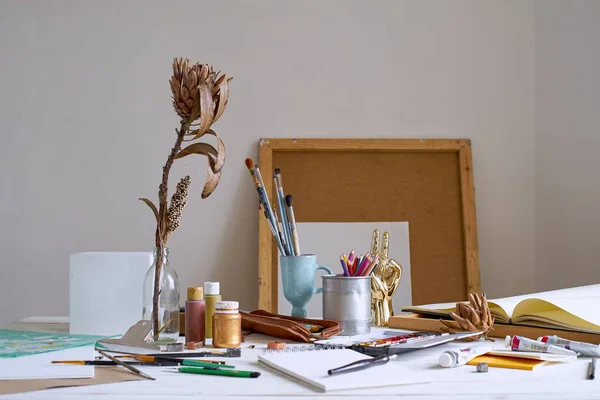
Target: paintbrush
<point x="281" y="201"/>
<point x="293" y="228"/>
<point x="157" y="363"/>
<point x="125" y="365"/>
<point x="264" y="201"/>
<point x="285" y="227"/>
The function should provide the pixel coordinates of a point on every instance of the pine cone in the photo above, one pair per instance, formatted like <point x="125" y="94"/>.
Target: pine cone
<point x="471" y="317"/>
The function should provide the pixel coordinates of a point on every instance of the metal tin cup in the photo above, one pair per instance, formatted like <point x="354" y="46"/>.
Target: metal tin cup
<point x="347" y="300"/>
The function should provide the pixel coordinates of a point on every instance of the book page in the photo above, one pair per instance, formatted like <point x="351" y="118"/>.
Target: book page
<point x="569" y="312"/>
<point x="510" y="303"/>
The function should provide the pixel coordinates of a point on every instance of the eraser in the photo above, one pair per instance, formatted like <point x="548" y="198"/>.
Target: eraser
<point x="276" y="345"/>
<point x="482" y="367"/>
<point x="195" y="345"/>
<point x="172" y="347"/>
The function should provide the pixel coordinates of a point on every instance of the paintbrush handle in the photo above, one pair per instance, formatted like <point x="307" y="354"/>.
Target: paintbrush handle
<point x="293" y="230"/>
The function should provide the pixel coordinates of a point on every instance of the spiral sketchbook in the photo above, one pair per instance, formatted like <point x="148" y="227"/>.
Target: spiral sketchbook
<point x="311" y="368"/>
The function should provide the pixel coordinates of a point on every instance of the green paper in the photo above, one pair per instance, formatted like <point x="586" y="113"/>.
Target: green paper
<point x="24" y="343"/>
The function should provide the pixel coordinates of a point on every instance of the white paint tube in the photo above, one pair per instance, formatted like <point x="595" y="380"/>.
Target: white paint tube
<point x="453" y="358"/>
<point x="585" y="349"/>
<point x="520" y="343"/>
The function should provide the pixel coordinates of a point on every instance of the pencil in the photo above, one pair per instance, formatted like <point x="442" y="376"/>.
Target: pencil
<point x="362" y="265"/>
<point x="371" y="266"/>
<point x="344" y="266"/>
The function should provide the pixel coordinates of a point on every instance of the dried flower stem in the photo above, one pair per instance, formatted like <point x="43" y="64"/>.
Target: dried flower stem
<point x="161" y="225"/>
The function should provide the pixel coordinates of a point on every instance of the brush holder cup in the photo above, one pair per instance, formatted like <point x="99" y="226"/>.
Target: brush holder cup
<point x="298" y="280"/>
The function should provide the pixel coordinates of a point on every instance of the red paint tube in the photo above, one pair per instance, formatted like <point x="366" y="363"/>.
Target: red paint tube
<point x="520" y="343"/>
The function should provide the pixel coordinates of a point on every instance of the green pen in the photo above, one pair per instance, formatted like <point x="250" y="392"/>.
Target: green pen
<point x="203" y="364"/>
<point x="221" y="372"/>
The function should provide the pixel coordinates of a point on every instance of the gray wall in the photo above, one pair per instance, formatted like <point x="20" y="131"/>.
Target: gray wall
<point x="86" y="122"/>
<point x="567" y="142"/>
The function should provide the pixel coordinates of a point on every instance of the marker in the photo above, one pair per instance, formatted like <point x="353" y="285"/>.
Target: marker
<point x="220" y="372"/>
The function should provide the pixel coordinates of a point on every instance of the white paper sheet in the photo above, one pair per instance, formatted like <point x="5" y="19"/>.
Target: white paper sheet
<point x="40" y="366"/>
<point x="328" y="240"/>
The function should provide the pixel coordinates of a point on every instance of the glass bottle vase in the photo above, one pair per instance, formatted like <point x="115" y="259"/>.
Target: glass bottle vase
<point x="168" y="301"/>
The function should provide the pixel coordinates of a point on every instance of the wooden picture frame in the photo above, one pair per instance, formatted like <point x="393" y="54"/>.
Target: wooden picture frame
<point x="427" y="182"/>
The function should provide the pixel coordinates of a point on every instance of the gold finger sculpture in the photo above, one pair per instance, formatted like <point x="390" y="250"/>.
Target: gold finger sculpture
<point x="384" y="281"/>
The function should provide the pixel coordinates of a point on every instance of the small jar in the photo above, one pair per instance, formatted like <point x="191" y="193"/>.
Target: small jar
<point x="227" y="325"/>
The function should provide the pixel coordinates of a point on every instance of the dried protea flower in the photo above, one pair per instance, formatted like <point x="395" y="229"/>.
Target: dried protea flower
<point x="178" y="202"/>
<point x="471" y="317"/>
<point x="199" y="94"/>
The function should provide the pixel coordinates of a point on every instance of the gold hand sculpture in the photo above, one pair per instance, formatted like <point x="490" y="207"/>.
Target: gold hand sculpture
<point x="384" y="281"/>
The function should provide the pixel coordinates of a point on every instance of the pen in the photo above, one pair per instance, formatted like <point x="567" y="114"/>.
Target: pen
<point x="592" y="369"/>
<point x="220" y="372"/>
<point x="362" y="364"/>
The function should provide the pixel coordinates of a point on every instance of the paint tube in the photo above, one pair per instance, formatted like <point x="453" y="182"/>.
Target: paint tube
<point x="454" y="358"/>
<point x="520" y="343"/>
<point x="585" y="349"/>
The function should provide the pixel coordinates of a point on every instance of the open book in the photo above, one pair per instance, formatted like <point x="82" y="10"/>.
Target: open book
<point x="575" y="309"/>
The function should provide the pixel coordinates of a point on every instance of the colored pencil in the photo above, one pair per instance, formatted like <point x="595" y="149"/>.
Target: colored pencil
<point x="351" y="256"/>
<point x="344" y="266"/>
<point x="371" y="266"/>
<point x="363" y="264"/>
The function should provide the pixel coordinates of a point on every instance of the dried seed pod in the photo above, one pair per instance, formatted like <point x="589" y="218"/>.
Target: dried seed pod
<point x="472" y="316"/>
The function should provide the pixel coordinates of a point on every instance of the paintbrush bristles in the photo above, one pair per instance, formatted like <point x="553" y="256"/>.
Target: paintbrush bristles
<point x="250" y="166"/>
<point x="288" y="200"/>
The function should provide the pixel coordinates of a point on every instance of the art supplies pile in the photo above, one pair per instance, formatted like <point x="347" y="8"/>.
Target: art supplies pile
<point x="283" y="227"/>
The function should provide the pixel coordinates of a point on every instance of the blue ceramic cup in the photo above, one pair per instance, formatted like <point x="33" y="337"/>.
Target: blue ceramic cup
<point x="298" y="279"/>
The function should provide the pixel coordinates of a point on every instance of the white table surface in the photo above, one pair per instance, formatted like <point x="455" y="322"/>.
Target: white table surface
<point x="559" y="381"/>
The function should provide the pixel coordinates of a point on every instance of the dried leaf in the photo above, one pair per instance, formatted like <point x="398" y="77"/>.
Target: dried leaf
<point x="212" y="180"/>
<point x="185" y="94"/>
<point x="206" y="108"/>
<point x="197" y="148"/>
<point x="175" y="86"/>
<point x="222" y="101"/>
<point x="204" y="72"/>
<point x="152" y="207"/>
<point x="218" y="163"/>
<point x="192" y="80"/>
